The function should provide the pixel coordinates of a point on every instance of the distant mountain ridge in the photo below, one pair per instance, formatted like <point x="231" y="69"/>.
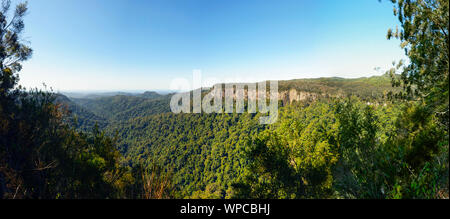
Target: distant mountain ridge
<point x="95" y="95"/>
<point x="113" y="107"/>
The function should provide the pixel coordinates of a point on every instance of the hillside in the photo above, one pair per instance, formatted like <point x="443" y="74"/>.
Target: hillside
<point x="205" y="151"/>
<point x="125" y="106"/>
<point x="375" y="87"/>
<point x="122" y="108"/>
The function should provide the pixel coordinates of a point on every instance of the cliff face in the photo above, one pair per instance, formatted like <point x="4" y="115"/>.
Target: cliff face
<point x="288" y="97"/>
<point x="375" y="87"/>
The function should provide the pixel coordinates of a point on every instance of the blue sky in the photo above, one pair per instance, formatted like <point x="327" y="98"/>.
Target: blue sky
<point x="144" y="45"/>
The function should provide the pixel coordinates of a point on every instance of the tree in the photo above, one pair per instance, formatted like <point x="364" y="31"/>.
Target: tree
<point x="295" y="157"/>
<point x="13" y="50"/>
<point x="424" y="37"/>
<point x="424" y="79"/>
<point x="12" y="53"/>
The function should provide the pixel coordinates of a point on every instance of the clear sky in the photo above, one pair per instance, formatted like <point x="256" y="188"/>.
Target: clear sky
<point x="145" y="44"/>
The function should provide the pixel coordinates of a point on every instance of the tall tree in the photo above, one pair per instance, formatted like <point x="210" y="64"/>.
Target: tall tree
<point x="12" y="52"/>
<point x="424" y="37"/>
<point x="13" y="48"/>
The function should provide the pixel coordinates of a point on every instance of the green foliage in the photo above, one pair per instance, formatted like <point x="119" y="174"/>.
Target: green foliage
<point x="149" y="181"/>
<point x="42" y="157"/>
<point x="359" y="147"/>
<point x="422" y="148"/>
<point x="348" y="149"/>
<point x="424" y="37"/>
<point x="375" y="87"/>
<point x="12" y="49"/>
<point x="202" y="150"/>
<point x="295" y="157"/>
<point x="123" y="108"/>
<point x="364" y="166"/>
<point x="80" y="117"/>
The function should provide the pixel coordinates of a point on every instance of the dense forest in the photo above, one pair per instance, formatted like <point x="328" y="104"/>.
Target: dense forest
<point x="382" y="137"/>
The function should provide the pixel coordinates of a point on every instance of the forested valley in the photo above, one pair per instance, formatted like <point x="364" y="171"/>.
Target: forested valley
<point x="381" y="137"/>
